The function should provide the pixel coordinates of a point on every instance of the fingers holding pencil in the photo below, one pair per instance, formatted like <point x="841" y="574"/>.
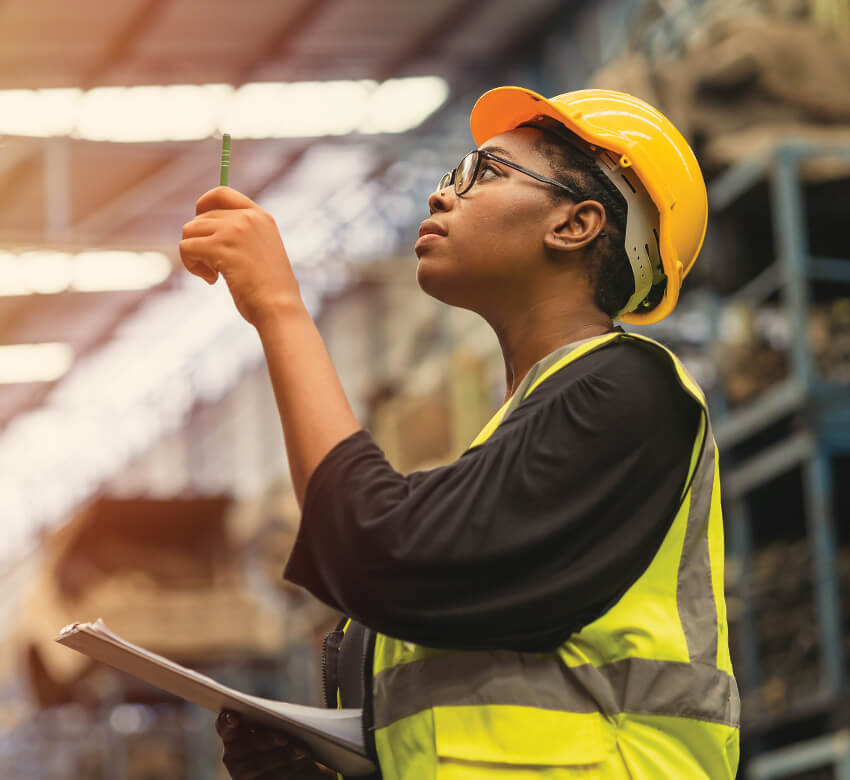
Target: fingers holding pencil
<point x="234" y="237"/>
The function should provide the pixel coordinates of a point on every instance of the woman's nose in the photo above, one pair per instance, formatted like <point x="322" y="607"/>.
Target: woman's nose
<point x="439" y="200"/>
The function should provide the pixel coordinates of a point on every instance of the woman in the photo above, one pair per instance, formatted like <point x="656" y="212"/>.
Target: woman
<point x="552" y="601"/>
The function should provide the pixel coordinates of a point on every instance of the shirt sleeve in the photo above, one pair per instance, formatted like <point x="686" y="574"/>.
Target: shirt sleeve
<point x="524" y="539"/>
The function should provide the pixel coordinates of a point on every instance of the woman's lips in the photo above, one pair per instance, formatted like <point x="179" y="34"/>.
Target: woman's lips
<point x="426" y="238"/>
<point x="428" y="231"/>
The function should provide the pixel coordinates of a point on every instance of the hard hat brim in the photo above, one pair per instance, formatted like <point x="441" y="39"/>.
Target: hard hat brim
<point x="505" y="108"/>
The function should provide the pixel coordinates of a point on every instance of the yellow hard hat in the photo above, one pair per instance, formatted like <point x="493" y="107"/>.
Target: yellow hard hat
<point x="641" y="139"/>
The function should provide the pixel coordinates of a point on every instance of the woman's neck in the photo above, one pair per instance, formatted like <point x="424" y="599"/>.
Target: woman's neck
<point x="530" y="338"/>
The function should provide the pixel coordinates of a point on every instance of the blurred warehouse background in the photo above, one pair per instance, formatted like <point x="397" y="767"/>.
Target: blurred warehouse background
<point x="142" y="471"/>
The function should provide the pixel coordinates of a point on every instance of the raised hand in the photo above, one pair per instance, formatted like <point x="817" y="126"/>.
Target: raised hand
<point x="232" y="236"/>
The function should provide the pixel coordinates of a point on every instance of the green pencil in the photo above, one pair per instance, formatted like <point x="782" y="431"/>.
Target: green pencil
<point x="225" y="159"/>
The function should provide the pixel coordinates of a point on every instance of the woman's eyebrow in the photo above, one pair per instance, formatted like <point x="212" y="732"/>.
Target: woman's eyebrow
<point x="498" y="150"/>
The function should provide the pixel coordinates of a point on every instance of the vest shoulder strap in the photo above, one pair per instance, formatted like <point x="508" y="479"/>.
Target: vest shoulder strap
<point x="569" y="353"/>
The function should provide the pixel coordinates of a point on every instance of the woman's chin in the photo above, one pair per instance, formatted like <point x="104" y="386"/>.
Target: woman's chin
<point x="432" y="281"/>
<point x="446" y="281"/>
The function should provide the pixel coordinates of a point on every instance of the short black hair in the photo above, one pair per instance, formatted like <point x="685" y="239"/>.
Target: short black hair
<point x="609" y="270"/>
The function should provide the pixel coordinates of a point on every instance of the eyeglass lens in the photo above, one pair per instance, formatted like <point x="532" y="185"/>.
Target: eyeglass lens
<point x="462" y="177"/>
<point x="466" y="173"/>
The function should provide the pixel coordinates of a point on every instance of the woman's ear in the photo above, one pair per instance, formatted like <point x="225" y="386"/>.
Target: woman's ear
<point x="575" y="225"/>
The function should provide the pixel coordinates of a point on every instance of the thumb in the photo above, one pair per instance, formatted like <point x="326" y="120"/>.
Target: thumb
<point x="223" y="198"/>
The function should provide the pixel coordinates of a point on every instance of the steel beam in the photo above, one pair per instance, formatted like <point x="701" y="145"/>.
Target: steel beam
<point x="739" y="523"/>
<point x="133" y="202"/>
<point x="16" y="150"/>
<point x="776" y="403"/>
<point x="458" y="14"/>
<point x="735" y="181"/>
<point x="121" y="44"/>
<point x="818" y="490"/>
<point x="57" y="190"/>
<point x="770" y="463"/>
<point x="829" y="269"/>
<point x="281" y="38"/>
<point x="789" y="227"/>
<point x="831" y="749"/>
<point x="759" y="288"/>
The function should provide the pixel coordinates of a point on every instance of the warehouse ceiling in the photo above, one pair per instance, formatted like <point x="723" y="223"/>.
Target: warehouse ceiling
<point x="335" y="197"/>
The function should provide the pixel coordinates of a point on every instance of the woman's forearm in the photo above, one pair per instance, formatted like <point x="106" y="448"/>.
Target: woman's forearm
<point x="231" y="236"/>
<point x="313" y="409"/>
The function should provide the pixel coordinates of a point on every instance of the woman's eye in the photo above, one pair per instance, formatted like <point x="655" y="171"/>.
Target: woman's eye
<point x="484" y="169"/>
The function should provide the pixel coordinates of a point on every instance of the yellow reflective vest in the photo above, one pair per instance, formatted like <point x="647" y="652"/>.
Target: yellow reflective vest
<point x="645" y="691"/>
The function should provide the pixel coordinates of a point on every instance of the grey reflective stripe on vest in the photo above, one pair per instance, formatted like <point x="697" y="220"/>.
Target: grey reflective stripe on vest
<point x="694" y="591"/>
<point x="632" y="685"/>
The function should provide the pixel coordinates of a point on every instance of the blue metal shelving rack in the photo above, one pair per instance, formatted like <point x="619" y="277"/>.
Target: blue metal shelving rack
<point x="823" y="405"/>
<point x="831" y="749"/>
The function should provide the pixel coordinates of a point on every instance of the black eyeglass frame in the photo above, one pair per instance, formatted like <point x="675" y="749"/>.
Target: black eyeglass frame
<point x="450" y="177"/>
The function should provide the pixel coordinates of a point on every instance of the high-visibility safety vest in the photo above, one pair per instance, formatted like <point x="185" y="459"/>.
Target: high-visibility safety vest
<point x="645" y="691"/>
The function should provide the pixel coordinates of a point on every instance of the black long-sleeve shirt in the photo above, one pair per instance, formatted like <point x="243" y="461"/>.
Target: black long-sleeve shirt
<point x="524" y="539"/>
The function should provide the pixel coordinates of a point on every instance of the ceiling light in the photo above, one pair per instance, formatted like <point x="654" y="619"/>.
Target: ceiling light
<point x="45" y="272"/>
<point x="94" y="271"/>
<point x="298" y="110"/>
<point x="34" y="362"/>
<point x="128" y="114"/>
<point x="185" y="112"/>
<point x="399" y="105"/>
<point x="38" y="112"/>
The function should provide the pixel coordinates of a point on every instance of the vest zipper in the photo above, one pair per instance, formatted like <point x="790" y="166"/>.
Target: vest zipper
<point x="331" y="643"/>
<point x="367" y="720"/>
<point x="325" y="669"/>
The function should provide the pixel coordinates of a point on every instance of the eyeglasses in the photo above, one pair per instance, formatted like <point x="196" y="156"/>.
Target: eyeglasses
<point x="466" y="173"/>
